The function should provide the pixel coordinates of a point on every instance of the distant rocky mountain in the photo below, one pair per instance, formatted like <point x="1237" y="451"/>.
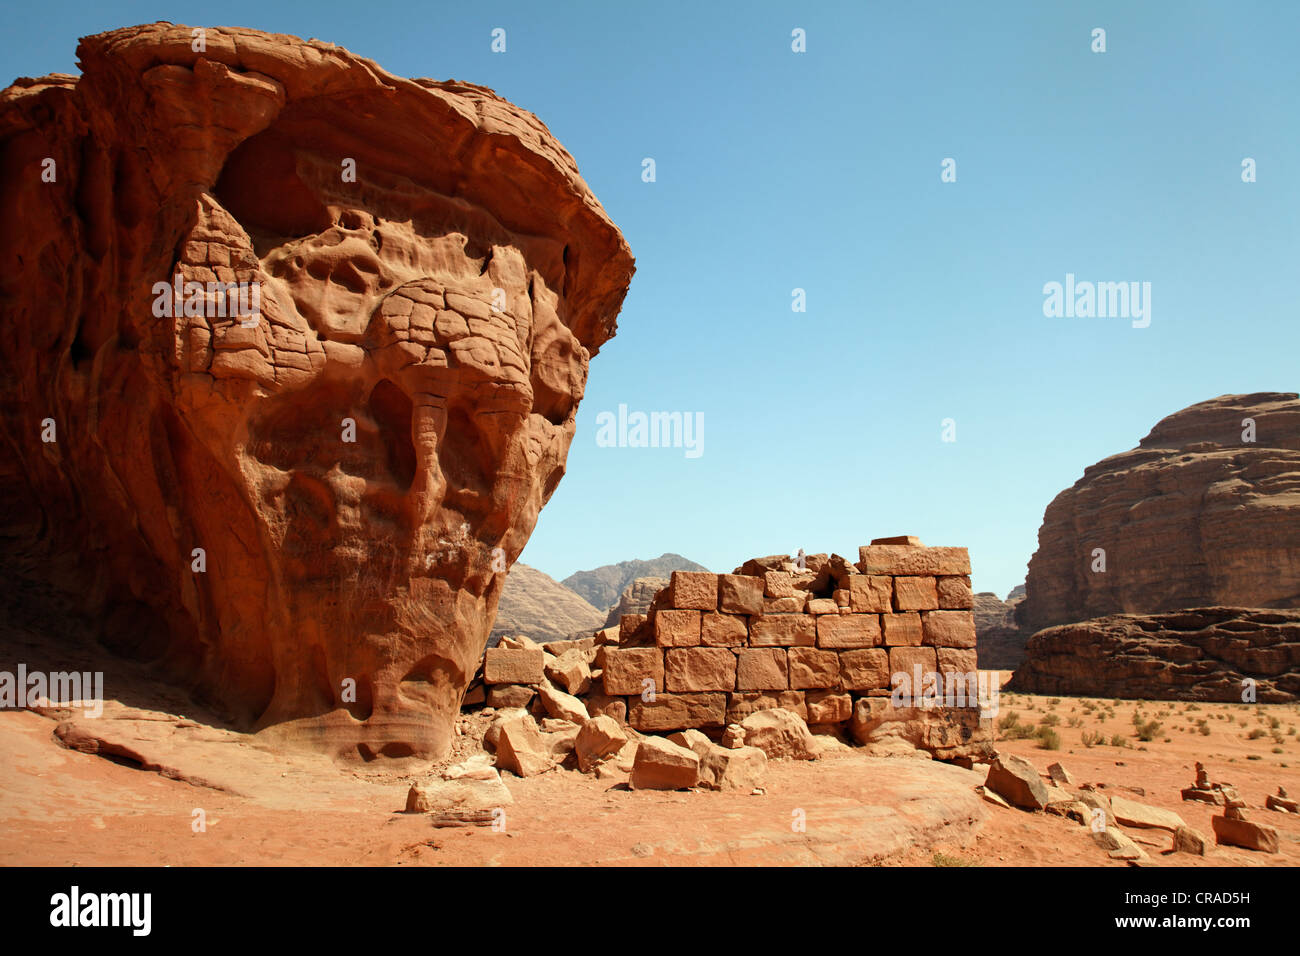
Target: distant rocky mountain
<point x="1205" y="511"/>
<point x="602" y="587"/>
<point x="999" y="641"/>
<point x="538" y="606"/>
<point x="636" y="598"/>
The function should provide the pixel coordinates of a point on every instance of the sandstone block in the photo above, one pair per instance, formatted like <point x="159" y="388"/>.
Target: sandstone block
<point x="915" y="594"/>
<point x="783" y="630"/>
<point x="762" y="668"/>
<point x="563" y="706"/>
<point x="502" y="696"/>
<point x="864" y="669"/>
<point x="1016" y="780"/>
<point x="678" y="711"/>
<point x="628" y="625"/>
<point x="740" y="593"/>
<point x="1245" y="834"/>
<point x="471" y="785"/>
<point x="784" y="605"/>
<point x="520" y="747"/>
<point x="848" y="631"/>
<point x="601" y="704"/>
<point x="1130" y="813"/>
<point x="598" y="739"/>
<point x="911" y="560"/>
<point x="779" y="733"/>
<point x="513" y="666"/>
<point x="908" y="539"/>
<point x="812" y="667"/>
<point x="626" y="669"/>
<point x="823" y="606"/>
<point x="954" y="660"/>
<point x="663" y="765"/>
<point x="1187" y="840"/>
<point x="699" y="668"/>
<point x="723" y="630"/>
<point x="743" y="703"/>
<point x="955" y="593"/>
<point x="905" y="660"/>
<point x="692" y="740"/>
<point x="948" y="628"/>
<point x="902" y="630"/>
<point x="740" y="768"/>
<point x="828" y="707"/>
<point x="694" y="590"/>
<point x="842" y="598"/>
<point x="777" y="584"/>
<point x="677" y="628"/>
<point x="871" y="593"/>
<point x="571" y="671"/>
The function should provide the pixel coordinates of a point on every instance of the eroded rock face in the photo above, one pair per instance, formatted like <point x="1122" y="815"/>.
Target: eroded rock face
<point x="1197" y="515"/>
<point x="362" y="453"/>
<point x="1197" y="654"/>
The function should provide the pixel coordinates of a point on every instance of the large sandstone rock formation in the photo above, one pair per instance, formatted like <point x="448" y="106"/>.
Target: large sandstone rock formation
<point x="1196" y="515"/>
<point x="602" y="586"/>
<point x="1000" y="642"/>
<point x="1198" y="654"/>
<point x="539" y="607"/>
<point x="324" y="490"/>
<point x="635" y="599"/>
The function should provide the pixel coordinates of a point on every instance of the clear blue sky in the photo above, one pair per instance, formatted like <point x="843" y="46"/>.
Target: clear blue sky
<point x="821" y="170"/>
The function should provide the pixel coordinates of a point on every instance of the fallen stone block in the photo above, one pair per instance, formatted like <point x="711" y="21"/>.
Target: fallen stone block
<point x="570" y="671"/>
<point x="1245" y="834"/>
<point x="779" y="733"/>
<point x="1016" y="779"/>
<point x="563" y="706"/>
<point x="471" y="785"/>
<point x="520" y="747"/>
<point x="663" y="765"/>
<point x="1281" y="803"/>
<point x="1059" y="775"/>
<point x="503" y="696"/>
<point x="1187" y="840"/>
<point x="742" y="768"/>
<point x="1130" y="813"/>
<point x="599" y="738"/>
<point x="733" y="736"/>
<point x="1118" y="845"/>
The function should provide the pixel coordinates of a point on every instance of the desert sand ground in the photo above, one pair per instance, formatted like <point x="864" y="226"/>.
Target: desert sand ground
<point x="61" y="807"/>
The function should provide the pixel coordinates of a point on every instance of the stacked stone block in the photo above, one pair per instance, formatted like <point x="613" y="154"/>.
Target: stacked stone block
<point x="717" y="647"/>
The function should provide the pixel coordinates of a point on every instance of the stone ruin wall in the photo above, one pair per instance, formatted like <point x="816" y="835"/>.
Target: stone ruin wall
<point x="822" y="641"/>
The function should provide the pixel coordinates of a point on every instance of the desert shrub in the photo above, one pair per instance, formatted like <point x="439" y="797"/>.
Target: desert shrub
<point x="1090" y="739"/>
<point x="1255" y="733"/>
<point x="1008" y="720"/>
<point x="1048" y="739"/>
<point x="1117" y="740"/>
<point x="1049" y="720"/>
<point x="1147" y="731"/>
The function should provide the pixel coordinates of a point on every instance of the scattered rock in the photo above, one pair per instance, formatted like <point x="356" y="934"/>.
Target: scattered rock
<point x="562" y="705"/>
<point x="724" y="768"/>
<point x="1016" y="779"/>
<point x="1245" y="834"/>
<point x="1059" y="775"/>
<point x="1118" y="845"/>
<point x="1130" y="813"/>
<point x="598" y="739"/>
<point x="520" y="747"/>
<point x="1187" y="840"/>
<point x="733" y="736"/>
<point x="779" y="733"/>
<point x="471" y="785"/>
